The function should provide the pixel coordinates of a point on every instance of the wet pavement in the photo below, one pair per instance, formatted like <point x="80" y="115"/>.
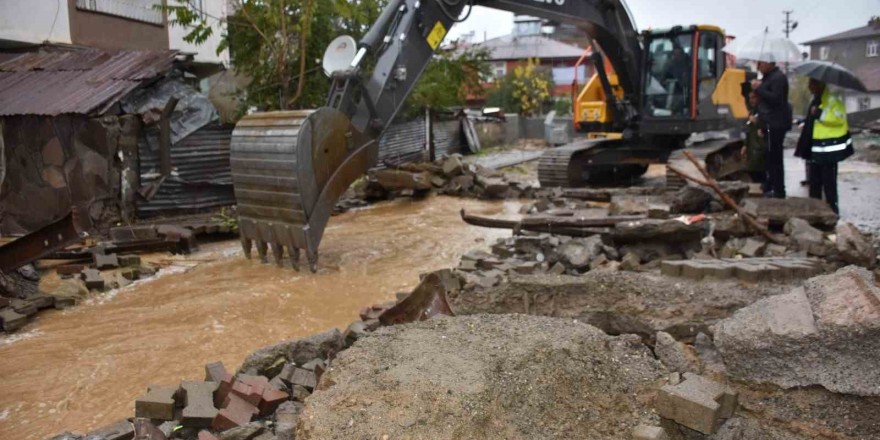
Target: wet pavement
<point x="858" y="187"/>
<point x="83" y="368"/>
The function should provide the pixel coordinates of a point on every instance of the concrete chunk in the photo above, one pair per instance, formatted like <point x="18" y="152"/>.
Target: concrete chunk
<point x="93" y="279"/>
<point x="215" y="372"/>
<point x="697" y="403"/>
<point x="121" y="430"/>
<point x="23" y="307"/>
<point x="157" y="404"/>
<point x="645" y="432"/>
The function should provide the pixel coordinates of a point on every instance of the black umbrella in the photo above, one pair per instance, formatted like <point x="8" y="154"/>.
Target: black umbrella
<point x="831" y="73"/>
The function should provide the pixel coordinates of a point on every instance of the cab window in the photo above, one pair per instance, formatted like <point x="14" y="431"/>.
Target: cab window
<point x="710" y="63"/>
<point x="670" y="68"/>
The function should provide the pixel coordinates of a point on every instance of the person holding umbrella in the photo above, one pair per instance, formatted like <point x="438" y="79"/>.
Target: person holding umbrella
<point x="830" y="142"/>
<point x="774" y="119"/>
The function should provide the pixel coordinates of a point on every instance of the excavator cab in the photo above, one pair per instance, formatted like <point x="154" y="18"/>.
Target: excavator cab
<point x="687" y="85"/>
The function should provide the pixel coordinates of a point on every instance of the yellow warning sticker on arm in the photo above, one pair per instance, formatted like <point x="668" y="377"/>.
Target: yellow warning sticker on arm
<point x="436" y="36"/>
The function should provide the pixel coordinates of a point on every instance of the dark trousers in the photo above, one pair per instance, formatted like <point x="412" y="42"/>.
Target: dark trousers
<point x="823" y="178"/>
<point x="775" y="164"/>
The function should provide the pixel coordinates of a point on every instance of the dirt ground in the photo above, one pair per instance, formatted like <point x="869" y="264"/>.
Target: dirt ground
<point x="486" y="377"/>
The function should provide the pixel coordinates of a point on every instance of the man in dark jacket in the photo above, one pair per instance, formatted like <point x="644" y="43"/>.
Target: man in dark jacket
<point x="774" y="117"/>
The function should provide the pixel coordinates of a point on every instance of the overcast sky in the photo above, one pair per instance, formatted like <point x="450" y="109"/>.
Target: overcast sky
<point x="738" y="17"/>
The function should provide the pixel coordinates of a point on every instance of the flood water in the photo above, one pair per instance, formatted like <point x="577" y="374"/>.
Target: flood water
<point x="83" y="368"/>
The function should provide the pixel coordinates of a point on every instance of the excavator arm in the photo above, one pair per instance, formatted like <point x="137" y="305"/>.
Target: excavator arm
<point x="289" y="168"/>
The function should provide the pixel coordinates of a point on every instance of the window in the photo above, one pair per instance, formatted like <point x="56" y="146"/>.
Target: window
<point x="824" y="51"/>
<point x="499" y="69"/>
<point x="872" y="49"/>
<point x="668" y="83"/>
<point x="138" y="10"/>
<point x="864" y="103"/>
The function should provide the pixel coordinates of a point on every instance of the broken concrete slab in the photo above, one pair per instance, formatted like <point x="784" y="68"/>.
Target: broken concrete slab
<point x="753" y="247"/>
<point x="676" y="356"/>
<point x="23" y="307"/>
<point x="630" y="262"/>
<point x="854" y="247"/>
<point x="578" y="253"/>
<point x="198" y="403"/>
<point x="826" y="333"/>
<point x="698" y="403"/>
<point x="62" y="302"/>
<point x="690" y="199"/>
<point x="158" y="403"/>
<point x="647" y="432"/>
<point x="779" y="211"/>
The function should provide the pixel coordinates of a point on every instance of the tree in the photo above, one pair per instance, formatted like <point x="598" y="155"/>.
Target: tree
<point x="448" y="80"/>
<point x="525" y="90"/>
<point x="277" y="44"/>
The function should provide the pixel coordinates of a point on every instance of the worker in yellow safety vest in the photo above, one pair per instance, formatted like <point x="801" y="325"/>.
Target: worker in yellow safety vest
<point x="831" y="143"/>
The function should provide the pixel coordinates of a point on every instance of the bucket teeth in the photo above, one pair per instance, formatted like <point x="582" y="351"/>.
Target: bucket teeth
<point x="278" y="253"/>
<point x="294" y="258"/>
<point x="263" y="251"/>
<point x="246" y="246"/>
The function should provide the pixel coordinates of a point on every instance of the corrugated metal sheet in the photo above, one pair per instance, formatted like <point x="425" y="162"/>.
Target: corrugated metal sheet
<point x="405" y="141"/>
<point x="56" y="81"/>
<point x="202" y="177"/>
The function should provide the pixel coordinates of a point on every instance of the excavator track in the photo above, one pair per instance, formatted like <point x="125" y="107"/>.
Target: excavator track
<point x="594" y="161"/>
<point x="288" y="170"/>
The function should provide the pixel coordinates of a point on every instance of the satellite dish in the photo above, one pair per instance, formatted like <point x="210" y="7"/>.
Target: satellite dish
<point x="339" y="54"/>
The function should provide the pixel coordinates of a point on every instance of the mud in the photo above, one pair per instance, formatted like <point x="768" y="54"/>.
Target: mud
<point x="83" y="368"/>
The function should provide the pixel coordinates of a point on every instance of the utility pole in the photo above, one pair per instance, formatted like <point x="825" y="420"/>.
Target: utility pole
<point x="790" y="25"/>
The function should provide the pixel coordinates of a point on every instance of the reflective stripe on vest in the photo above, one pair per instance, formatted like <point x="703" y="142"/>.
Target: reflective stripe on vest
<point x="831" y="148"/>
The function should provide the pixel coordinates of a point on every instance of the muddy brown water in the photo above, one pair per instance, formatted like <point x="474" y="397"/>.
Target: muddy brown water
<point x="83" y="368"/>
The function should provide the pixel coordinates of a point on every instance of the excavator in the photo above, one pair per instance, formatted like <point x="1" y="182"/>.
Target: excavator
<point x="289" y="168"/>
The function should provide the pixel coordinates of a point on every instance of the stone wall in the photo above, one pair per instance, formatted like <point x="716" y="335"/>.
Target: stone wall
<point x="51" y="164"/>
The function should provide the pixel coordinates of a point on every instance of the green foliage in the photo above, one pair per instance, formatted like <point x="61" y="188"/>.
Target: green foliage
<point x="526" y="90"/>
<point x="562" y="106"/>
<point x="278" y="44"/>
<point x="449" y="79"/>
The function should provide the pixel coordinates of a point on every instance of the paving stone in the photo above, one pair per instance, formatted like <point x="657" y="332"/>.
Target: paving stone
<point x="299" y="393"/>
<point x="130" y="274"/>
<point x="775" y="250"/>
<point x="133" y="233"/>
<point x="4" y="302"/>
<point x="93" y="279"/>
<point x="215" y="372"/>
<point x="528" y="267"/>
<point x="691" y="269"/>
<point x="752" y="273"/>
<point x="235" y="412"/>
<point x="557" y="269"/>
<point x="645" y="432"/>
<point x="157" y="404"/>
<point x="129" y="260"/>
<point x="304" y="378"/>
<point x="270" y="400"/>
<point x="11" y="320"/>
<point x="753" y="247"/>
<point x="105" y="262"/>
<point x="250" y="388"/>
<point x="467" y="266"/>
<point x="697" y="403"/>
<point x="121" y="430"/>
<point x="69" y="269"/>
<point x="198" y="403"/>
<point x="23" y="307"/>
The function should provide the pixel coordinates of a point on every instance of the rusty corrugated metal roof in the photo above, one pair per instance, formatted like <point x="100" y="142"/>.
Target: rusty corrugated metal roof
<point x="54" y="81"/>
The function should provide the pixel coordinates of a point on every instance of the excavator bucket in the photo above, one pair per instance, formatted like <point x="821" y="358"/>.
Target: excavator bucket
<point x="288" y="170"/>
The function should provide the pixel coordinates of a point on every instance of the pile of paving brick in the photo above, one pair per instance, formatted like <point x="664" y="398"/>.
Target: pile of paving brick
<point x="450" y="176"/>
<point x="262" y="401"/>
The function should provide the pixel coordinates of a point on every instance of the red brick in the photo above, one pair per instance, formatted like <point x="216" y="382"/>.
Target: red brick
<point x="270" y="401"/>
<point x="223" y="390"/>
<point x="236" y="412"/>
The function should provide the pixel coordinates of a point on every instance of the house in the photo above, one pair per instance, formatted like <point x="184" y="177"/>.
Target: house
<point x="529" y="42"/>
<point x="859" y="51"/>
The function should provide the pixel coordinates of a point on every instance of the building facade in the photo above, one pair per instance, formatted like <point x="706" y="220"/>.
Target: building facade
<point x="859" y="51"/>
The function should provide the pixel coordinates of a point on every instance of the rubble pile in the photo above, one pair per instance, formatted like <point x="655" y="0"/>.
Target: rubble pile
<point x="451" y="176"/>
<point x="98" y="268"/>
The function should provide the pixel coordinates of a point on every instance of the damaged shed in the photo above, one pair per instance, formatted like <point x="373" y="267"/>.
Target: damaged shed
<point x="75" y="124"/>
